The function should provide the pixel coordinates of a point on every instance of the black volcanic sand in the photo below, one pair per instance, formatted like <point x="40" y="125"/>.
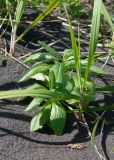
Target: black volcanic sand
<point x="17" y="142"/>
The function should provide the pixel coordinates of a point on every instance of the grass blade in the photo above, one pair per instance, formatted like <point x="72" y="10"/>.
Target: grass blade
<point x="75" y="48"/>
<point x="95" y="109"/>
<point x="105" y="89"/>
<point x="94" y="131"/>
<point x="51" y="50"/>
<point x="107" y="17"/>
<point x="48" y="10"/>
<point x="94" y="35"/>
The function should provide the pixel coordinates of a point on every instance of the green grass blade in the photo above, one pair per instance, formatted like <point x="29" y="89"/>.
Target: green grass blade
<point x="107" y="17"/>
<point x="98" y="70"/>
<point x="48" y="10"/>
<point x="94" y="131"/>
<point x="94" y="35"/>
<point x="40" y="92"/>
<point x="36" y="92"/>
<point x="95" y="109"/>
<point x="105" y="89"/>
<point x="52" y="83"/>
<point x="51" y="50"/>
<point x="75" y="48"/>
<point x="19" y="11"/>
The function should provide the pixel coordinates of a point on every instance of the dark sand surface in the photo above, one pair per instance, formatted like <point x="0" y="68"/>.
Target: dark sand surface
<point x="16" y="142"/>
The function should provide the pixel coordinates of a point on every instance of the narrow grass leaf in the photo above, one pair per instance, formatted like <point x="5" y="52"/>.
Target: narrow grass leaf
<point x="107" y="16"/>
<point x="94" y="131"/>
<point x="75" y="49"/>
<point x="41" y="92"/>
<point x="19" y="12"/>
<point x="95" y="109"/>
<point x="51" y="50"/>
<point x="94" y="35"/>
<point x="52" y="83"/>
<point x="48" y="10"/>
<point x="98" y="70"/>
<point x="105" y="89"/>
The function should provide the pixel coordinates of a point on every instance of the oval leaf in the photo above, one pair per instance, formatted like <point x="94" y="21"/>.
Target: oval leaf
<point x="34" y="103"/>
<point x="57" y="118"/>
<point x="40" y="118"/>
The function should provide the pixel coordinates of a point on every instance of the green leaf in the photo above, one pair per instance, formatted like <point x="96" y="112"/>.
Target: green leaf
<point x="34" y="103"/>
<point x="37" y="64"/>
<point x="70" y="65"/>
<point x="58" y="70"/>
<point x="40" y="77"/>
<point x="31" y="87"/>
<point x="48" y="10"/>
<point x="52" y="82"/>
<point x="105" y="89"/>
<point x="107" y="17"/>
<point x="73" y="101"/>
<point x="92" y="109"/>
<point x="76" y="89"/>
<point x="35" y="70"/>
<point x="39" y="57"/>
<point x="68" y="55"/>
<point x="63" y="83"/>
<point x="94" y="131"/>
<point x="98" y="70"/>
<point x="94" y="35"/>
<point x="88" y="93"/>
<point x="68" y="84"/>
<point x="19" y="11"/>
<point x="75" y="48"/>
<point x="90" y="90"/>
<point x="76" y="92"/>
<point x="40" y="118"/>
<point x="39" y="92"/>
<point x="51" y="50"/>
<point x="57" y="118"/>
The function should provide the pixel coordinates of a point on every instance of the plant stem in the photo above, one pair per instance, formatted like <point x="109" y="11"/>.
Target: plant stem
<point x="12" y="43"/>
<point x="90" y="135"/>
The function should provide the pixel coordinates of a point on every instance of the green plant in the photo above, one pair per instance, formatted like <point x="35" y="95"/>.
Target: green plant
<point x="14" y="19"/>
<point x="48" y="10"/>
<point x="75" y="8"/>
<point x="14" y="11"/>
<point x="64" y="83"/>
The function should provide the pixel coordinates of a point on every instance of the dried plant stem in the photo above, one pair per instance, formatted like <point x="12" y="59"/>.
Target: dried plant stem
<point x="106" y="59"/>
<point x="6" y="53"/>
<point x="90" y="135"/>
